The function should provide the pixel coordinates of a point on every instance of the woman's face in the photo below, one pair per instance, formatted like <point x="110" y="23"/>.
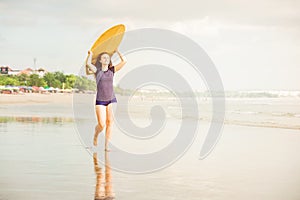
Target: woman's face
<point x="105" y="59"/>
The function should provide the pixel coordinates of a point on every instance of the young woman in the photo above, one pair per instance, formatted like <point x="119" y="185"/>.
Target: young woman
<point x="104" y="72"/>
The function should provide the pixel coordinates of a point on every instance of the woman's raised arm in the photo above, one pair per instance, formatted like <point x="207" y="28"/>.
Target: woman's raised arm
<point x="122" y="63"/>
<point x="89" y="64"/>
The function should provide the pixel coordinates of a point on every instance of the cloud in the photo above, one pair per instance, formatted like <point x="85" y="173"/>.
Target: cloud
<point x="266" y="13"/>
<point x="240" y="36"/>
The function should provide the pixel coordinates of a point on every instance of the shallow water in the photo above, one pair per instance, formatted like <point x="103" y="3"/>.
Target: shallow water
<point x="42" y="157"/>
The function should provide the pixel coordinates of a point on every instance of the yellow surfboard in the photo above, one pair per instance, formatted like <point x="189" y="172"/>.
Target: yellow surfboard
<point x="107" y="42"/>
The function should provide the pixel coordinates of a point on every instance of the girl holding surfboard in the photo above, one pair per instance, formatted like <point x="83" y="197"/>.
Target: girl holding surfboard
<point x="104" y="72"/>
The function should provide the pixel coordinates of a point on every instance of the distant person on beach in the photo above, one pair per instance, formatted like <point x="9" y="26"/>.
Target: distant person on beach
<point x="104" y="72"/>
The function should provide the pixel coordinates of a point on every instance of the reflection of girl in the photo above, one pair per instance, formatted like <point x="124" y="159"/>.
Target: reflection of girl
<point x="104" y="72"/>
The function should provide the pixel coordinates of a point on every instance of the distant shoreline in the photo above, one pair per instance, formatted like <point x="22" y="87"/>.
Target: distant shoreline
<point x="66" y="98"/>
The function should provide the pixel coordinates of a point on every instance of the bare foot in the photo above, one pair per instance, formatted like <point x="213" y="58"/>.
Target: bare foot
<point x="110" y="196"/>
<point x="97" y="131"/>
<point x="101" y="197"/>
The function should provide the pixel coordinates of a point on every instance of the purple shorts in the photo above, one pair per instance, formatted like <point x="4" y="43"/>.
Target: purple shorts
<point x="105" y="103"/>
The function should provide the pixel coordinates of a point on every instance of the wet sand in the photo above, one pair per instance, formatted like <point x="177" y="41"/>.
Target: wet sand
<point x="36" y="98"/>
<point x="42" y="157"/>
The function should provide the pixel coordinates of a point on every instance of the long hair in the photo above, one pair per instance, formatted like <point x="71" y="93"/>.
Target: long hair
<point x="98" y="64"/>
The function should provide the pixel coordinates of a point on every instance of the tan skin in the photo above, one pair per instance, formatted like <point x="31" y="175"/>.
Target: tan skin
<point x="102" y="111"/>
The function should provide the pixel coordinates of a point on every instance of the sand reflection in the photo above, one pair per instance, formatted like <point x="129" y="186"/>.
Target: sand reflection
<point x="103" y="189"/>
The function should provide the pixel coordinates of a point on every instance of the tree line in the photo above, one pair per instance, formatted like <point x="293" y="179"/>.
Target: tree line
<point x="50" y="79"/>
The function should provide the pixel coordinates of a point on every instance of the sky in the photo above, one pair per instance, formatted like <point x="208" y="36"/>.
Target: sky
<point x="255" y="45"/>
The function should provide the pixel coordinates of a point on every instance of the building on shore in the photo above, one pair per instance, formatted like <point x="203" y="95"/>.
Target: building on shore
<point x="5" y="69"/>
<point x="28" y="71"/>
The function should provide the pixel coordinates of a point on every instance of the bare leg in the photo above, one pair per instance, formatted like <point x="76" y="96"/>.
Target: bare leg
<point x="109" y="122"/>
<point x="100" y="112"/>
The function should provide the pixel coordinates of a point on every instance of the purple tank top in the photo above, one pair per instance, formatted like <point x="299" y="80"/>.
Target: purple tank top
<point x="104" y="81"/>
